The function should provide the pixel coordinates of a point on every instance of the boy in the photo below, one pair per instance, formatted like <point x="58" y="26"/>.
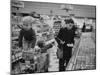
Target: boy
<point x="27" y="36"/>
<point x="57" y="26"/>
<point x="65" y="40"/>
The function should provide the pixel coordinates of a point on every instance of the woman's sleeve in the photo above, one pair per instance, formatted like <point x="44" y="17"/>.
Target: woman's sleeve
<point x="59" y="36"/>
<point x="73" y="37"/>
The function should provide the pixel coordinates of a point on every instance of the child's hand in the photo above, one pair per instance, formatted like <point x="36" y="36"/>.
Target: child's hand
<point x="20" y="48"/>
<point x="62" y="42"/>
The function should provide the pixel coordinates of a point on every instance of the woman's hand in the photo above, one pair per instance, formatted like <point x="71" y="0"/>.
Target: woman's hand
<point x="70" y="45"/>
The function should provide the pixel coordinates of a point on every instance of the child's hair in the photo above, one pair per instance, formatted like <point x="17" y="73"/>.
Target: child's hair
<point x="28" y="19"/>
<point x="67" y="21"/>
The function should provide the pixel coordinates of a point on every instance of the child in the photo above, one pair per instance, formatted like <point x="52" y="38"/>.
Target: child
<point x="27" y="36"/>
<point x="57" y="26"/>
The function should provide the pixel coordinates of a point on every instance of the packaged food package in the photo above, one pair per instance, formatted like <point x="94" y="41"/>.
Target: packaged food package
<point x="42" y="62"/>
<point x="28" y="55"/>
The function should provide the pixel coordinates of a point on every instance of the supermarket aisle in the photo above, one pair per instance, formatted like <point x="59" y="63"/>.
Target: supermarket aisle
<point x="85" y="56"/>
<point x="53" y="61"/>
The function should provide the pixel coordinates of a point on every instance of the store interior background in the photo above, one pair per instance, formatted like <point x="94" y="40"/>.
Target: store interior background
<point x="49" y="11"/>
<point x="81" y="13"/>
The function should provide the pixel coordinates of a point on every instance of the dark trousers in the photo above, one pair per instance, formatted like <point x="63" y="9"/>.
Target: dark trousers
<point x="27" y="45"/>
<point x="67" y="53"/>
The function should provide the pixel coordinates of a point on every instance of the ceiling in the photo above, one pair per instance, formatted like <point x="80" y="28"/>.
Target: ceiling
<point x="45" y="8"/>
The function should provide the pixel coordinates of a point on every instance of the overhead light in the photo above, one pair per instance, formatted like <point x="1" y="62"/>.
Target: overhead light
<point x="66" y="7"/>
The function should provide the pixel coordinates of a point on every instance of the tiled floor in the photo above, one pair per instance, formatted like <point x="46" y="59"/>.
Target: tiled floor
<point x="53" y="64"/>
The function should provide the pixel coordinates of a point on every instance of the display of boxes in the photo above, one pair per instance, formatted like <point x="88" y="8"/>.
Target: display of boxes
<point x="28" y="55"/>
